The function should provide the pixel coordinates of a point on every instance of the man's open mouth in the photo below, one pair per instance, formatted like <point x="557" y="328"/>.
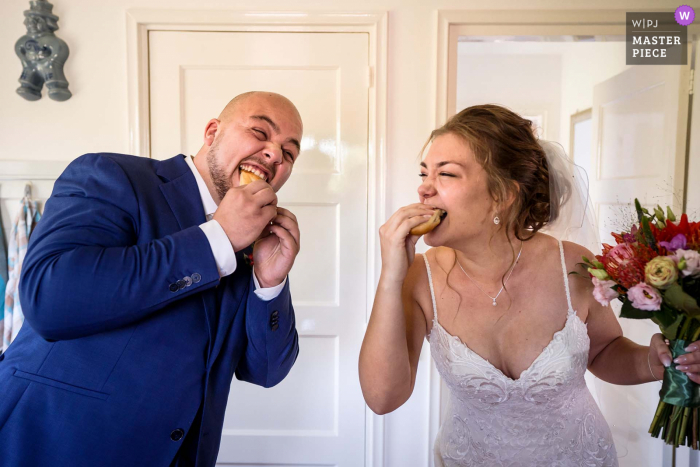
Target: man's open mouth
<point x="254" y="170"/>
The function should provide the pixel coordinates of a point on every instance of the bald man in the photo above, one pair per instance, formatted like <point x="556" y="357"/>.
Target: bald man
<point x="143" y="297"/>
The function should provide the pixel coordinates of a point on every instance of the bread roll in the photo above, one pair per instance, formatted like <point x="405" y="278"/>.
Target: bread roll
<point x="248" y="177"/>
<point x="430" y="224"/>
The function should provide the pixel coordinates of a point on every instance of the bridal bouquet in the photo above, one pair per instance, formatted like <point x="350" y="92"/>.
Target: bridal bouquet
<point x="654" y="270"/>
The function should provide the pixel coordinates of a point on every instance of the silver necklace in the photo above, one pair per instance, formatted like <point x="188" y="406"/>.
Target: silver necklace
<point x="504" y="282"/>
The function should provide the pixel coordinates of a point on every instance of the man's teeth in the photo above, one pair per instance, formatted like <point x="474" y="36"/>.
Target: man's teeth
<point x="251" y="169"/>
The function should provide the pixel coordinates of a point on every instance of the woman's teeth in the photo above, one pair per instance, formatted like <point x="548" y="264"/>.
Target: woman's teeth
<point x="251" y="169"/>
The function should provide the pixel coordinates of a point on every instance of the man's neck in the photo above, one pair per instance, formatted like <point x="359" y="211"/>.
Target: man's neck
<point x="200" y="163"/>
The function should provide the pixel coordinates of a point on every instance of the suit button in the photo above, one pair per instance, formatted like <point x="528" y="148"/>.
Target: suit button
<point x="275" y="314"/>
<point x="196" y="277"/>
<point x="181" y="284"/>
<point x="177" y="434"/>
<point x="174" y="288"/>
<point x="188" y="281"/>
<point x="275" y="327"/>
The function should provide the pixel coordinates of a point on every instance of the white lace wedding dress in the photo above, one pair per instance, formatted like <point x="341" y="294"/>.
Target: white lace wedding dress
<point x="547" y="417"/>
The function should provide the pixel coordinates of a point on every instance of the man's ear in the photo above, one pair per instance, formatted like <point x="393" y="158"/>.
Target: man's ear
<point x="211" y="130"/>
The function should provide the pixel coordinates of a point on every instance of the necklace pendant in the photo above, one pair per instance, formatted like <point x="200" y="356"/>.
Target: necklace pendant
<point x="494" y="302"/>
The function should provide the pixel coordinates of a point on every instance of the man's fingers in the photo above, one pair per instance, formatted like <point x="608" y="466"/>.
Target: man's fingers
<point x="288" y="224"/>
<point x="256" y="186"/>
<point x="269" y="212"/>
<point x="265" y="196"/>
<point x="288" y="213"/>
<point x="286" y="240"/>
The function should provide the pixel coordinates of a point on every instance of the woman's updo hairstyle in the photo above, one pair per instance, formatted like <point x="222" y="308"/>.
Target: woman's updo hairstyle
<point x="505" y="146"/>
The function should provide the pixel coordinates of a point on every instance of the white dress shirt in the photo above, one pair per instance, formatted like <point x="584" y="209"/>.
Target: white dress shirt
<point x="220" y="244"/>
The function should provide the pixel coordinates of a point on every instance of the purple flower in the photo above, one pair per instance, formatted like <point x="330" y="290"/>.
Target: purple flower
<point x="632" y="236"/>
<point x="676" y="243"/>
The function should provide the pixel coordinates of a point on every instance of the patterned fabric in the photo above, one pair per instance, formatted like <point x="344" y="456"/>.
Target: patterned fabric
<point x="547" y="417"/>
<point x="25" y="221"/>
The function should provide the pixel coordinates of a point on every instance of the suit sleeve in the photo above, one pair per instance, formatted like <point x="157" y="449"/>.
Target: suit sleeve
<point x="84" y="273"/>
<point x="273" y="342"/>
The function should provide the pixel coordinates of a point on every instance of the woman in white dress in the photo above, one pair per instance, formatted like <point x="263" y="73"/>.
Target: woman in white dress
<point x="511" y="333"/>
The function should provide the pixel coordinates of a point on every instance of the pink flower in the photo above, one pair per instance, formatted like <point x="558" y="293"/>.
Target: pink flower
<point x="620" y="253"/>
<point x="689" y="260"/>
<point x="644" y="297"/>
<point x="603" y="292"/>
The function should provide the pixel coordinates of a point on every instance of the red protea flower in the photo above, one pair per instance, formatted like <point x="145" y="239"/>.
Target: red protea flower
<point x="625" y="262"/>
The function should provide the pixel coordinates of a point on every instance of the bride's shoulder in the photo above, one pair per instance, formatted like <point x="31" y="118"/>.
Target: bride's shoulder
<point x="573" y="252"/>
<point x="438" y="258"/>
<point x="441" y="257"/>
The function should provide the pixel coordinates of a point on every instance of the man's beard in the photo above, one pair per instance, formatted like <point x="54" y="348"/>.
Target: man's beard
<point x="221" y="182"/>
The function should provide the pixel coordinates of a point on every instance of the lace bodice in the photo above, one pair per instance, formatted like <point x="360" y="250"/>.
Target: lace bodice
<point x="546" y="417"/>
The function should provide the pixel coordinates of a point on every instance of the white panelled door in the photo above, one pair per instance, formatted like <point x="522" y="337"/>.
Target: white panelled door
<point x="639" y="133"/>
<point x="316" y="416"/>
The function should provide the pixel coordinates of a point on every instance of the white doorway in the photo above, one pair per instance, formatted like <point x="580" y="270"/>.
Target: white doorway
<point x="564" y="84"/>
<point x="317" y="416"/>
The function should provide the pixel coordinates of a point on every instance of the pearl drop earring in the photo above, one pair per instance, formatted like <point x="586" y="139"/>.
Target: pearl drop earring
<point x="496" y="220"/>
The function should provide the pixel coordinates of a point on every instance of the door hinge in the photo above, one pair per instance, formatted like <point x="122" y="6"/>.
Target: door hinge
<point x="692" y="82"/>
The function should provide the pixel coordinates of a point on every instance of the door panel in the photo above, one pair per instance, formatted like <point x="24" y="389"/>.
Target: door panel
<point x="639" y="135"/>
<point x="316" y="416"/>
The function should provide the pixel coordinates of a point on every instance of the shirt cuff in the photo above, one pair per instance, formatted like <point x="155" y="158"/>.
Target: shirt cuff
<point x="268" y="293"/>
<point x="221" y="247"/>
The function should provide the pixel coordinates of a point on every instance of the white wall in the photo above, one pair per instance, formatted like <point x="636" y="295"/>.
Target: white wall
<point x="514" y="75"/>
<point x="556" y="76"/>
<point x="95" y="119"/>
<point x="584" y="65"/>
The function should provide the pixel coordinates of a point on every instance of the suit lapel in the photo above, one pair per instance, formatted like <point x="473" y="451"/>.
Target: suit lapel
<point x="181" y="192"/>
<point x="182" y="195"/>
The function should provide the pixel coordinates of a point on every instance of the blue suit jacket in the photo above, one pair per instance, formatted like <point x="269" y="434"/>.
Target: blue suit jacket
<point x="131" y="339"/>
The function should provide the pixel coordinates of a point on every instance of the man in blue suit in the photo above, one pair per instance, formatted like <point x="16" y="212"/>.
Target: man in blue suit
<point x="141" y="300"/>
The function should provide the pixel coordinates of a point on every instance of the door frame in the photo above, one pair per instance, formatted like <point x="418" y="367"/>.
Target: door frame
<point x="139" y="22"/>
<point x="450" y="24"/>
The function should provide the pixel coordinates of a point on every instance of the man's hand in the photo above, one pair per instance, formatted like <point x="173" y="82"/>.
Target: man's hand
<point x="276" y="249"/>
<point x="245" y="211"/>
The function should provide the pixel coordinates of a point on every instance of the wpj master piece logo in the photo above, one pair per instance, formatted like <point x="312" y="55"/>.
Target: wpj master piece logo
<point x="658" y="38"/>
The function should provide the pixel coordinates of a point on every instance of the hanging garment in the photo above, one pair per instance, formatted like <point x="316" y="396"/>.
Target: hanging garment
<point x="3" y="275"/>
<point x="25" y="221"/>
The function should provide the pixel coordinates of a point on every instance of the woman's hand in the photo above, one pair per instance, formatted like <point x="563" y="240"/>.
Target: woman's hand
<point x="690" y="362"/>
<point x="398" y="246"/>
<point x="659" y="356"/>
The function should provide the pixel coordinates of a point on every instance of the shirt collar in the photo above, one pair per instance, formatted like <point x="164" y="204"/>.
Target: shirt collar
<point x="207" y="200"/>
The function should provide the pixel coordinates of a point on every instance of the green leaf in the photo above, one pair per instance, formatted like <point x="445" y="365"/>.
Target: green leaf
<point x="670" y="332"/>
<point x="648" y="236"/>
<point x="598" y="265"/>
<point x="666" y="317"/>
<point x="630" y="312"/>
<point x="638" y="208"/>
<point x="585" y="276"/>
<point x="678" y="299"/>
